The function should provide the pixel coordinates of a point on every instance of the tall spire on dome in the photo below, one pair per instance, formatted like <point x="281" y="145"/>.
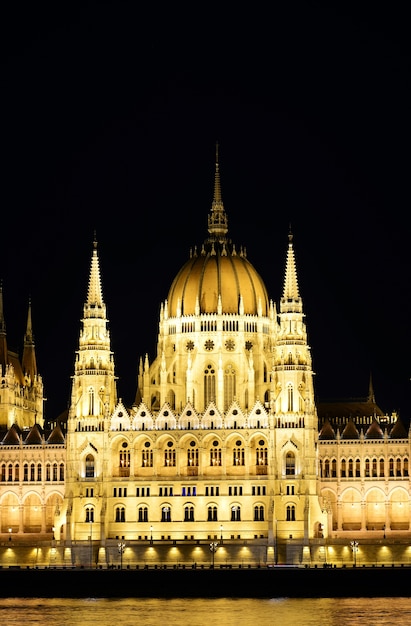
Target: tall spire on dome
<point x="217" y="219"/>
<point x="291" y="300"/>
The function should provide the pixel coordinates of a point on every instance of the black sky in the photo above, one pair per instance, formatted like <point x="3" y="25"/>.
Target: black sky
<point x="109" y="118"/>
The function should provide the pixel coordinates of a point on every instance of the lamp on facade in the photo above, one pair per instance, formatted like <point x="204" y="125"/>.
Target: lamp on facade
<point x="221" y="535"/>
<point x="151" y="535"/>
<point x="213" y="550"/>
<point x="354" y="548"/>
<point x="10" y="531"/>
<point x="121" y="548"/>
<point x="91" y="542"/>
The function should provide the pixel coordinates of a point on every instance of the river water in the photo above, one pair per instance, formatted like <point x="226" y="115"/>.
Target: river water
<point x="200" y="612"/>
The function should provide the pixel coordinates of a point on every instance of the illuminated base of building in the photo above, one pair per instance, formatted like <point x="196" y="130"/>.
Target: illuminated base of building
<point x="117" y="554"/>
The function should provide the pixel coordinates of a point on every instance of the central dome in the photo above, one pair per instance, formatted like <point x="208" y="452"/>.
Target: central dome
<point x="219" y="279"/>
<point x="218" y="274"/>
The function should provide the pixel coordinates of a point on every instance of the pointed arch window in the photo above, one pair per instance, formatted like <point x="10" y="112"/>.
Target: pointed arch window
<point x="290" y="398"/>
<point x="192" y="457"/>
<point x="290" y="513"/>
<point x="212" y="514"/>
<point x="91" y="401"/>
<point x="89" y="514"/>
<point x="166" y="514"/>
<point x="189" y="513"/>
<point x="147" y="458"/>
<point x="209" y="385"/>
<point x="261" y="456"/>
<point x="229" y="386"/>
<point x="215" y="456"/>
<point x="89" y="466"/>
<point x="143" y="514"/>
<point x="236" y="513"/>
<point x="290" y="464"/>
<point x="258" y="513"/>
<point x="120" y="514"/>
<point x="238" y="456"/>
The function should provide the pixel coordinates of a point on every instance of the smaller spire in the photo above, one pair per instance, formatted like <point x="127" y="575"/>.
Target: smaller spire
<point x="3" y="337"/>
<point x="291" y="300"/>
<point x="28" y="362"/>
<point x="94" y="296"/>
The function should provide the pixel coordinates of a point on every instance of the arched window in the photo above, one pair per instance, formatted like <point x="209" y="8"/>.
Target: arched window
<point x="238" y="456"/>
<point x="236" y="513"/>
<point x="89" y="514"/>
<point x="91" y="401"/>
<point x="61" y="472"/>
<point x="259" y="513"/>
<point x="143" y="514"/>
<point x="192" y="457"/>
<point x="261" y="456"/>
<point x="215" y="456"/>
<point x="229" y="386"/>
<point x="89" y="466"/>
<point x="382" y="470"/>
<point x="189" y="513"/>
<point x="147" y="458"/>
<point x="290" y="464"/>
<point x="120" y="514"/>
<point x="290" y="398"/>
<point x="212" y="514"/>
<point x="209" y="385"/>
<point x="166" y="514"/>
<point x="170" y="457"/>
<point x="290" y="512"/>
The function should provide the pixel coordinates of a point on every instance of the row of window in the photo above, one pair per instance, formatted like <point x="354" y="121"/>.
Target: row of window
<point x="235" y="490"/>
<point x="215" y="457"/>
<point x="32" y="472"/>
<point x="371" y="468"/>
<point x="212" y="514"/>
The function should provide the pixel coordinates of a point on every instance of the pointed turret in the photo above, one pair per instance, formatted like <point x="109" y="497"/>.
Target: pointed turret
<point x="94" y="386"/>
<point x="3" y="337"/>
<point x="291" y="301"/>
<point x="29" y="363"/>
<point x="94" y="306"/>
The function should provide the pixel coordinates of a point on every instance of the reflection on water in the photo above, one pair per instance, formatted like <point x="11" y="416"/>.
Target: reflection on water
<point x="197" y="612"/>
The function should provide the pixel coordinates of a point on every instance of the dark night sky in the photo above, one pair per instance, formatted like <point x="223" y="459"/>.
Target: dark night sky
<point x="109" y="119"/>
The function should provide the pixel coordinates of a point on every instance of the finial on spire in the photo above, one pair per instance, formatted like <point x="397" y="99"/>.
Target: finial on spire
<point x="290" y="233"/>
<point x="95" y="241"/>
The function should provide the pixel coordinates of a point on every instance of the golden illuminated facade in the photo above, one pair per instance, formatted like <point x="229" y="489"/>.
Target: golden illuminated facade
<point x="223" y="442"/>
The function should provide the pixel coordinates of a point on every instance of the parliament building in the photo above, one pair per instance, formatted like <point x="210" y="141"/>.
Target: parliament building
<point x="224" y="456"/>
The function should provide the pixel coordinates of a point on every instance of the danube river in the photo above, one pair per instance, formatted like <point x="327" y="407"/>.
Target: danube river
<point x="197" y="612"/>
